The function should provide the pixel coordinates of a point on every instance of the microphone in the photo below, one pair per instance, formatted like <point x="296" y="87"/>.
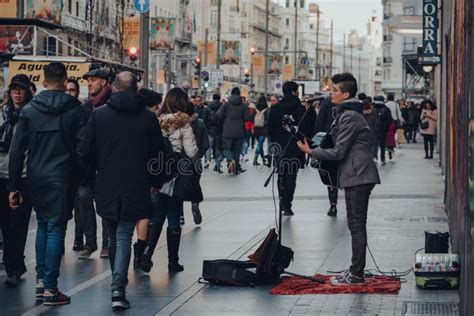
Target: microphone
<point x="319" y="98"/>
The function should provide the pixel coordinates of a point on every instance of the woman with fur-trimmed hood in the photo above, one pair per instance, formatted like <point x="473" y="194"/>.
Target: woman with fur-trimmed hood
<point x="175" y="125"/>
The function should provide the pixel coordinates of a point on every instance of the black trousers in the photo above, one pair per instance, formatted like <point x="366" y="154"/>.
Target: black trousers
<point x="381" y="145"/>
<point x="85" y="218"/>
<point x="14" y="224"/>
<point x="357" y="203"/>
<point x="429" y="145"/>
<point x="287" y="173"/>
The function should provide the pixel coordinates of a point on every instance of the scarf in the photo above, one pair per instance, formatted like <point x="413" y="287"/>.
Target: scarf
<point x="10" y="118"/>
<point x="100" y="98"/>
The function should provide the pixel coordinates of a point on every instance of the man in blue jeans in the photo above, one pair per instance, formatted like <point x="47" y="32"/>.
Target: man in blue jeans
<point x="122" y="141"/>
<point x="48" y="133"/>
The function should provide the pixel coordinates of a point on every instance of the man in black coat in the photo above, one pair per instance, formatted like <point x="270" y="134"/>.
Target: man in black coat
<point x="123" y="141"/>
<point x="385" y="117"/>
<point x="47" y="134"/>
<point x="99" y="93"/>
<point x="323" y="124"/>
<point x="292" y="158"/>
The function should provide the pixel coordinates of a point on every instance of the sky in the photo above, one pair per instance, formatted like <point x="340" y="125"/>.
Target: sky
<point x="349" y="14"/>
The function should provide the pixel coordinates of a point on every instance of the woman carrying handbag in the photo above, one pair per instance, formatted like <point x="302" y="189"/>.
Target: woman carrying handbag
<point x="178" y="134"/>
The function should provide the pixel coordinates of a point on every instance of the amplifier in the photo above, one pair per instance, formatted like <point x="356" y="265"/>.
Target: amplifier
<point x="437" y="270"/>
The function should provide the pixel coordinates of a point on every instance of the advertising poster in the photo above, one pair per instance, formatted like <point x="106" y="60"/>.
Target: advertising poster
<point x="230" y="52"/>
<point x="49" y="10"/>
<point x="34" y="70"/>
<point x="8" y="9"/>
<point x="18" y="39"/>
<point x="275" y="63"/>
<point x="131" y="31"/>
<point x="162" y="33"/>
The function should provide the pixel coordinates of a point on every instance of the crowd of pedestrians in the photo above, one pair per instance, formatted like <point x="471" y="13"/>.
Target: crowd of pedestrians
<point x="120" y="155"/>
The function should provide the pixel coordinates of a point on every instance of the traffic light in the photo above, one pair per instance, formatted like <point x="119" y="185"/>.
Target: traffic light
<point x="167" y="61"/>
<point x="246" y="75"/>
<point x="197" y="66"/>
<point x="133" y="53"/>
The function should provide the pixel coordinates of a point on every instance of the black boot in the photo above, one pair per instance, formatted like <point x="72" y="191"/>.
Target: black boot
<point x="332" y="211"/>
<point x="173" y="237"/>
<point x="154" y="231"/>
<point x="138" y="249"/>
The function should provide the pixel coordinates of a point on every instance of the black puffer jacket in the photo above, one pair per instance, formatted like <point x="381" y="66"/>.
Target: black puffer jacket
<point x="48" y="133"/>
<point x="123" y="140"/>
<point x="214" y="124"/>
<point x="289" y="105"/>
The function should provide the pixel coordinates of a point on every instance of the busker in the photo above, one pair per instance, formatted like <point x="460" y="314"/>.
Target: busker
<point x="290" y="161"/>
<point x="14" y="223"/>
<point x="357" y="173"/>
<point x="47" y="135"/>
<point x="120" y="141"/>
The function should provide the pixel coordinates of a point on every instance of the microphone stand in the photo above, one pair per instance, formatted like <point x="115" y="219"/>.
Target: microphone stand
<point x="272" y="174"/>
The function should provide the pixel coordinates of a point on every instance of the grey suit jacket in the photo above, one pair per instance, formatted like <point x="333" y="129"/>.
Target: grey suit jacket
<point x="351" y="136"/>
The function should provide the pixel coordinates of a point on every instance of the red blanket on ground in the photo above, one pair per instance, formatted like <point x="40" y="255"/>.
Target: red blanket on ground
<point x="372" y="285"/>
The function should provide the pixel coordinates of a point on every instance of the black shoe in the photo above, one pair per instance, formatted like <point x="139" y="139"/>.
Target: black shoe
<point x="255" y="163"/>
<point x="332" y="211"/>
<point x="55" y="298"/>
<point x="119" y="301"/>
<point x="426" y="157"/>
<point x="154" y="232"/>
<point x="347" y="279"/>
<point x="87" y="252"/>
<point x="390" y="155"/>
<point x="175" y="267"/>
<point x="288" y="212"/>
<point x="77" y="247"/>
<point x="196" y="213"/>
<point x="39" y="290"/>
<point x="414" y="142"/>
<point x="240" y="170"/>
<point x="104" y="253"/>
<point x="11" y="280"/>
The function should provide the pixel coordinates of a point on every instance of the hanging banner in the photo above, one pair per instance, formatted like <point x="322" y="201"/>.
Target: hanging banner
<point x="162" y="33"/>
<point x="287" y="72"/>
<point x="275" y="63"/>
<point x="131" y="33"/>
<point x="430" y="33"/>
<point x="211" y="51"/>
<point x="9" y="9"/>
<point x="230" y="52"/>
<point x="18" y="39"/>
<point x="48" y="10"/>
<point x="258" y="62"/>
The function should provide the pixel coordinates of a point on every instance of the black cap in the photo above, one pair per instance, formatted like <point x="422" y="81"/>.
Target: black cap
<point x="150" y="97"/>
<point x="99" y="73"/>
<point x="20" y="80"/>
<point x="379" y="98"/>
<point x="235" y="91"/>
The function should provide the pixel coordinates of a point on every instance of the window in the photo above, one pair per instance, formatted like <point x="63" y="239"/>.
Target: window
<point x="287" y="21"/>
<point x="69" y="6"/>
<point x="77" y="9"/>
<point x="287" y="60"/>
<point x="379" y="61"/>
<point x="213" y="18"/>
<point x="324" y="57"/>
<point x="287" y="43"/>
<point x="302" y="4"/>
<point x="287" y="4"/>
<point x="311" y="26"/>
<point x="409" y="11"/>
<point x="87" y="12"/>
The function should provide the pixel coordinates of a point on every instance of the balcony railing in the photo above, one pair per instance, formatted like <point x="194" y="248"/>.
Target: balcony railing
<point x="387" y="60"/>
<point x="388" y="38"/>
